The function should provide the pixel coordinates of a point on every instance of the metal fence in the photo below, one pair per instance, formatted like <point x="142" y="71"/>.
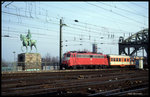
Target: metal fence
<point x="24" y="66"/>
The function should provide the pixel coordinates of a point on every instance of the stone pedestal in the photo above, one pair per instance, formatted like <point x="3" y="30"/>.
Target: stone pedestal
<point x="29" y="61"/>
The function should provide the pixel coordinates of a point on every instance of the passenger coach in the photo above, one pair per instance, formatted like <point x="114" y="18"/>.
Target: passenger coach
<point x="121" y="60"/>
<point x="74" y="60"/>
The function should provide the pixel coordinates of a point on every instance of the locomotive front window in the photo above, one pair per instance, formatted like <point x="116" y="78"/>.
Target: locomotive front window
<point x="68" y="55"/>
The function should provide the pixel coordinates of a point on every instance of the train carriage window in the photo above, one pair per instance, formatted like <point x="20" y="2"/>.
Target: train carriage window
<point x="86" y="56"/>
<point x="112" y="59"/>
<point x="125" y="59"/>
<point x="78" y="56"/>
<point x="101" y="56"/>
<point x="82" y="56"/>
<point x="91" y="56"/>
<point x="116" y="59"/>
<point x="119" y="59"/>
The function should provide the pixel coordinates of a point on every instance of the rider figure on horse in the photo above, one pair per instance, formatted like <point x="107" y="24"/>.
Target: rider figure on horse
<point x="29" y="37"/>
<point x="26" y="41"/>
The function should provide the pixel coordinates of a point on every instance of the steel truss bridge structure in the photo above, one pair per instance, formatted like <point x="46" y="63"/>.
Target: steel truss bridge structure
<point x="134" y="43"/>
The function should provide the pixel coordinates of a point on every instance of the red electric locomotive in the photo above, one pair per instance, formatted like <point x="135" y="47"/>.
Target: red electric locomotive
<point x="74" y="59"/>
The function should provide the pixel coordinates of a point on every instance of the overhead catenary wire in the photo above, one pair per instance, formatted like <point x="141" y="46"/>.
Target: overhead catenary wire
<point x="8" y="4"/>
<point x="80" y="22"/>
<point x="81" y="29"/>
<point x="106" y="19"/>
<point x="124" y="10"/>
<point x="110" y="19"/>
<point x="138" y="5"/>
<point x="58" y="24"/>
<point x="52" y="37"/>
<point x="45" y="29"/>
<point x="116" y="13"/>
<point x="75" y="28"/>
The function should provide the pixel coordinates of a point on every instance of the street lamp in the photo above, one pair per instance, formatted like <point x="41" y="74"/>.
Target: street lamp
<point x="60" y="41"/>
<point x="14" y="59"/>
<point x="6" y="36"/>
<point x="14" y="55"/>
<point x="76" y="20"/>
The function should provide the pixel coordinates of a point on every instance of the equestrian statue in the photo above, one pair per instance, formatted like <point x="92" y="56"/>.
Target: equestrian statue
<point x="27" y="41"/>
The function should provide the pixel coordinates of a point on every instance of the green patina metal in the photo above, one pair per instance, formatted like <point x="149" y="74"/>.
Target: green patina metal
<point x="27" y="41"/>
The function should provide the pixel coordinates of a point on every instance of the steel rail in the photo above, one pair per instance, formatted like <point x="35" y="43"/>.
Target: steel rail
<point x="56" y="75"/>
<point x="121" y="91"/>
<point x="74" y="86"/>
<point x="93" y="77"/>
<point x="129" y="91"/>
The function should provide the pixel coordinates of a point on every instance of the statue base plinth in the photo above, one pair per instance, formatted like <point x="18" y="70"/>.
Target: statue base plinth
<point x="29" y="61"/>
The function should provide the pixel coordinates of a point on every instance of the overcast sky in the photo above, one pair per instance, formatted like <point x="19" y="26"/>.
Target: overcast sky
<point x="98" y="22"/>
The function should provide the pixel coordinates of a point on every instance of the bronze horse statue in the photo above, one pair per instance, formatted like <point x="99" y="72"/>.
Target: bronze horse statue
<point x="27" y="42"/>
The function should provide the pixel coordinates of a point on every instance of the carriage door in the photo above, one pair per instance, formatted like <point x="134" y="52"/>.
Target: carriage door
<point x="73" y="59"/>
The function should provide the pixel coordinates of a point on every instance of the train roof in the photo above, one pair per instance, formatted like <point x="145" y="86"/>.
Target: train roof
<point x="124" y="56"/>
<point x="118" y="56"/>
<point x="84" y="52"/>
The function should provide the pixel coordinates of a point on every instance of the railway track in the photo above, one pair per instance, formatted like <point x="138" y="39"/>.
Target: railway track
<point x="76" y="82"/>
